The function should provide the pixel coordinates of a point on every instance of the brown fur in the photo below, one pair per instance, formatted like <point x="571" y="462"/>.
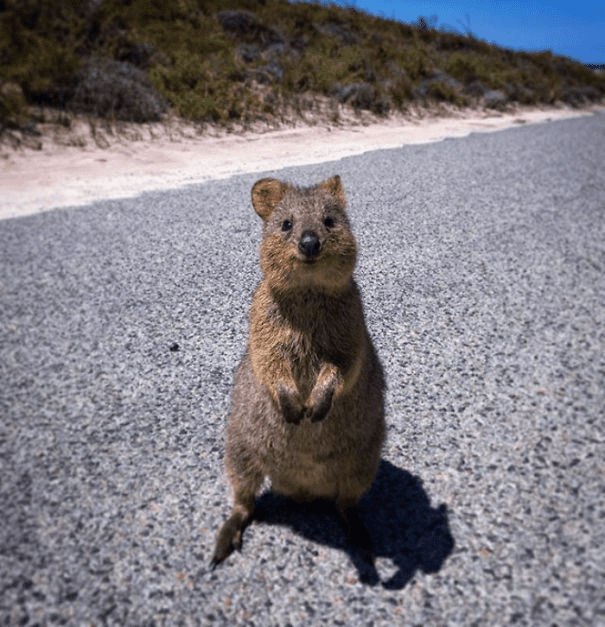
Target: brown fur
<point x="307" y="407"/>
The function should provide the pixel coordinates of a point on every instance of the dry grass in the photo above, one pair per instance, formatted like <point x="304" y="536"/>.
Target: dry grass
<point x="251" y="63"/>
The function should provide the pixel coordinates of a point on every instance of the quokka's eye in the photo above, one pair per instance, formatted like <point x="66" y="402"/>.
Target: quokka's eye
<point x="286" y="225"/>
<point x="328" y="222"/>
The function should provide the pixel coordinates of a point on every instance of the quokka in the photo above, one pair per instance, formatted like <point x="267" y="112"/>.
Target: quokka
<point x="307" y="408"/>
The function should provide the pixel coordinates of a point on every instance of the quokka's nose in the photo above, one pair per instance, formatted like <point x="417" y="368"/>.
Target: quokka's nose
<point x="309" y="244"/>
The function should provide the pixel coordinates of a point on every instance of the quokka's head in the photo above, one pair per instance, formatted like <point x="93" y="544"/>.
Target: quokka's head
<point x="307" y="241"/>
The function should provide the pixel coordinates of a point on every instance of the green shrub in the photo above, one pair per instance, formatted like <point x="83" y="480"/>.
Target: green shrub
<point x="37" y="43"/>
<point x="246" y="59"/>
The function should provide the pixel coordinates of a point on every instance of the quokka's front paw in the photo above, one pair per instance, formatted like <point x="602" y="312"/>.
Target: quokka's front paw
<point x="289" y="405"/>
<point x="320" y="406"/>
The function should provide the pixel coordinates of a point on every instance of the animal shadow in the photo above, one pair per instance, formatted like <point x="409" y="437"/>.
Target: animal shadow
<point x="397" y="513"/>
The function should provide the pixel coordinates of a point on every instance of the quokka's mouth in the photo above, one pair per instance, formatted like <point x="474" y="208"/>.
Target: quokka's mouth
<point x="308" y="261"/>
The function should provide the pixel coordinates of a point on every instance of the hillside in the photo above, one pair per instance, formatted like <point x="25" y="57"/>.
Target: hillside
<point x="244" y="61"/>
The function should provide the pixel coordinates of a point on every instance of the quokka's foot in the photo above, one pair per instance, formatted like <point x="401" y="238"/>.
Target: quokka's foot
<point x="229" y="539"/>
<point x="357" y="534"/>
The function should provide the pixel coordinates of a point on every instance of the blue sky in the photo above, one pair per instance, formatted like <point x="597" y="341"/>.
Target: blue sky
<point x="572" y="29"/>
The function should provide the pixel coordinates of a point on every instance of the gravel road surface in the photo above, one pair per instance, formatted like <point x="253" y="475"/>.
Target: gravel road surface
<point x="482" y="266"/>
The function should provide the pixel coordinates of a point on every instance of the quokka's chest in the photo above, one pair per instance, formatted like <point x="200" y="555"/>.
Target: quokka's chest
<point x="304" y="353"/>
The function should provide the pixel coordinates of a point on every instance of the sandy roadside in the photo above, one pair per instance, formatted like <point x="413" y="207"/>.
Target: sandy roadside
<point x="32" y="181"/>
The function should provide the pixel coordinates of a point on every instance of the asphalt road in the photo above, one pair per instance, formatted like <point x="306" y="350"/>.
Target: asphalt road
<point x="482" y="265"/>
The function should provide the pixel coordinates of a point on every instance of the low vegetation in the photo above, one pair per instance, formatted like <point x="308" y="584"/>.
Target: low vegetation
<point x="247" y="60"/>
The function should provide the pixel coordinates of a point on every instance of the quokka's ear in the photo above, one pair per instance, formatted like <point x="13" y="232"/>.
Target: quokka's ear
<point x="266" y="193"/>
<point x="335" y="187"/>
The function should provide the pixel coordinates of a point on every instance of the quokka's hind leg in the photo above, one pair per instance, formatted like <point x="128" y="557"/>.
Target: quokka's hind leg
<point x="356" y="531"/>
<point x="229" y="537"/>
